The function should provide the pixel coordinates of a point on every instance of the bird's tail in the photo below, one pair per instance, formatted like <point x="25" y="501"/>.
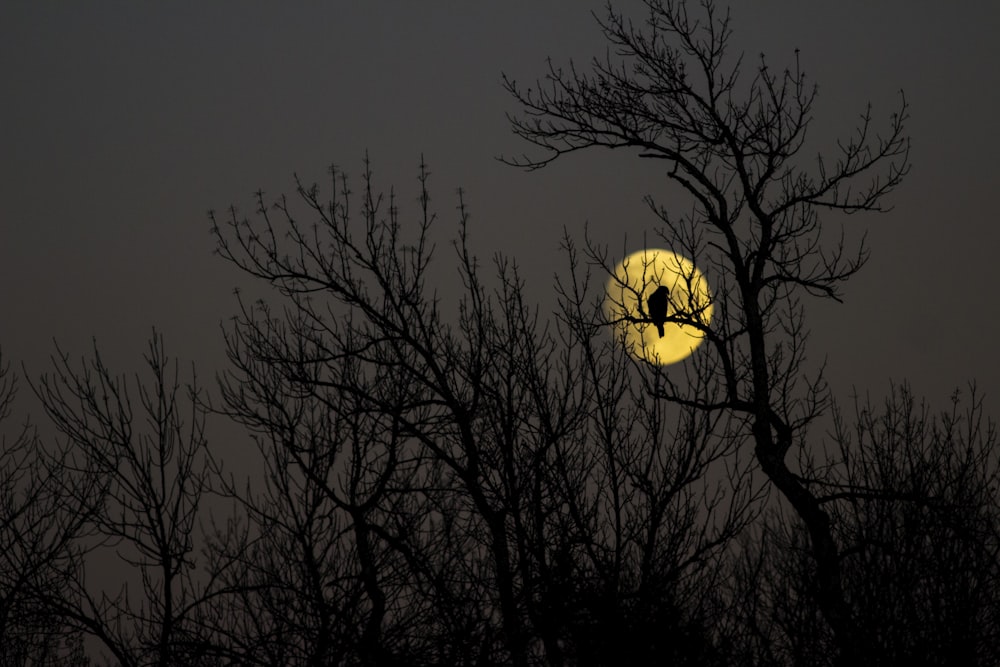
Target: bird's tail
<point x="659" y="330"/>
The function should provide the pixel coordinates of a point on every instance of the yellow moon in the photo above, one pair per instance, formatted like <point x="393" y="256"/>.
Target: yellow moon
<point x="637" y="277"/>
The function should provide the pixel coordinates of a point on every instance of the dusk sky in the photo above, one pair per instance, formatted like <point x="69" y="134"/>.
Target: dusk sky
<point x="122" y="123"/>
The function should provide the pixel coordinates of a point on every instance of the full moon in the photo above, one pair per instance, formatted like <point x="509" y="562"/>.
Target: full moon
<point x="626" y="305"/>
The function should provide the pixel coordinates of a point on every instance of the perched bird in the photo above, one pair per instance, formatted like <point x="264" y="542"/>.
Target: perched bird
<point x="657" y="305"/>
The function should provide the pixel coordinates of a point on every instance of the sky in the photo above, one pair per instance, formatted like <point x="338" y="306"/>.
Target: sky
<point x="122" y="123"/>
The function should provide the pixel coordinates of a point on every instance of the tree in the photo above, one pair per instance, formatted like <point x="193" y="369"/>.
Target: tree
<point x="36" y="529"/>
<point x="134" y="471"/>
<point x="501" y="485"/>
<point x="920" y="541"/>
<point x="731" y="139"/>
<point x="912" y="496"/>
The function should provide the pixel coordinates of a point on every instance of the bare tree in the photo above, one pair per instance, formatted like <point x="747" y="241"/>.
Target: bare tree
<point x="138" y="475"/>
<point x="912" y="497"/>
<point x="915" y="507"/>
<point x="730" y="136"/>
<point x="36" y="531"/>
<point x="499" y="482"/>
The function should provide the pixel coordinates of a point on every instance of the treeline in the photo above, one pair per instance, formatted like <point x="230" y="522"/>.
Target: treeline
<point x="497" y="488"/>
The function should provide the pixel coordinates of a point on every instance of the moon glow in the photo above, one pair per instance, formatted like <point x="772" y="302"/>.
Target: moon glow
<point x="625" y="305"/>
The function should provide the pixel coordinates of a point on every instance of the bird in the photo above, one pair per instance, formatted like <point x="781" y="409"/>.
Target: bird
<point x="657" y="305"/>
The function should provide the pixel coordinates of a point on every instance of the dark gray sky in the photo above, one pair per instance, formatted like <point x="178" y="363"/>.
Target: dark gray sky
<point x="122" y="123"/>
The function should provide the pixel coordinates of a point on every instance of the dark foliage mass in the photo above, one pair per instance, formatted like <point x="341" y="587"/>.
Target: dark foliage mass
<point x="455" y="479"/>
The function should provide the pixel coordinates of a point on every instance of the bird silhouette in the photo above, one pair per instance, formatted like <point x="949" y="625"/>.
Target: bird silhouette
<point x="657" y="306"/>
